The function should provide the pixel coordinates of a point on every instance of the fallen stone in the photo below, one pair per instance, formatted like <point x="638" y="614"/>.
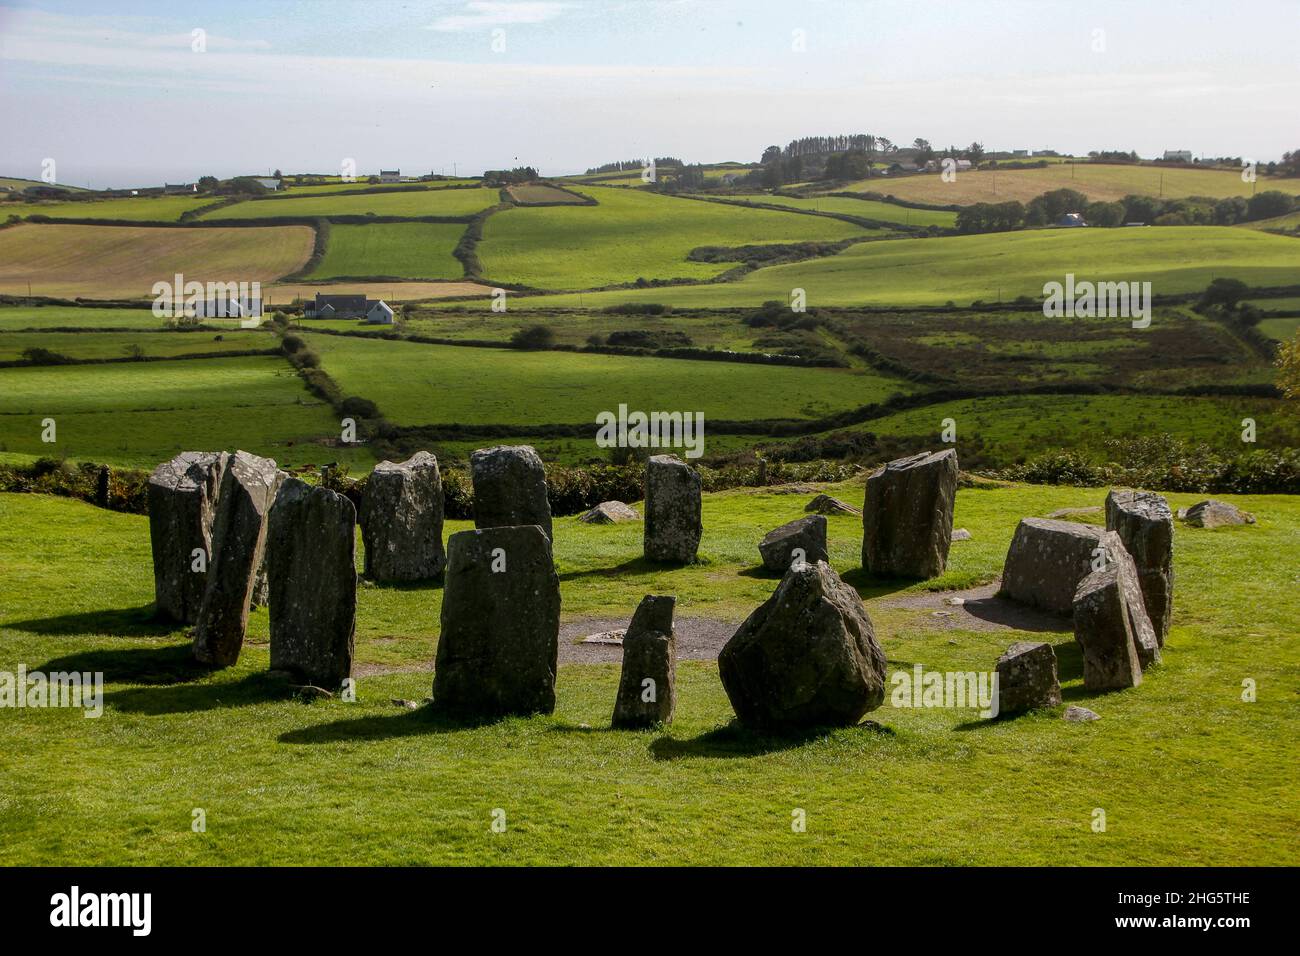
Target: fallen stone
<point x="1103" y="627"/>
<point x="673" y="526"/>
<point x="401" y="520"/>
<point x="960" y="534"/>
<point x="608" y="638"/>
<point x="647" y="687"/>
<point x="826" y="505"/>
<point x="248" y="488"/>
<point x="1079" y="715"/>
<point x="1144" y="523"/>
<point x="609" y="512"/>
<point x="311" y="567"/>
<point x="1062" y="513"/>
<point x="404" y="703"/>
<point x="1027" y="678"/>
<point x="182" y="498"/>
<point x="807" y="657"/>
<point x="1047" y="560"/>
<point x="500" y="624"/>
<point x="1215" y="514"/>
<point x="803" y="539"/>
<point x="907" y="515"/>
<point x="509" y="488"/>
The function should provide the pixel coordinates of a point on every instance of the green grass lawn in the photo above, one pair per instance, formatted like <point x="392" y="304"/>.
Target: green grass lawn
<point x="139" y="414"/>
<point x="406" y="250"/>
<point x="134" y="208"/>
<point x="721" y="331"/>
<point x="117" y="345"/>
<point x="427" y="202"/>
<point x="417" y="384"/>
<point x="866" y="208"/>
<point x="1186" y="772"/>
<point x="631" y="235"/>
<point x="989" y="268"/>
<point x="1281" y="329"/>
<point x="16" y="318"/>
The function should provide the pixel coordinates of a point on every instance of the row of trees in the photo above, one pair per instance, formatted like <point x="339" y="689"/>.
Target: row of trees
<point x="630" y="165"/>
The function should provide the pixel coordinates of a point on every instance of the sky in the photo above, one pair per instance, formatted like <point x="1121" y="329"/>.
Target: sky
<point x="122" y="94"/>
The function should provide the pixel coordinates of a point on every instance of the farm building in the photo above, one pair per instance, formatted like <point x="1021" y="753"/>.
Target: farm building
<point x="390" y="175"/>
<point x="1178" y="155"/>
<point x="374" y="311"/>
<point x="1071" y="219"/>
<point x="172" y="189"/>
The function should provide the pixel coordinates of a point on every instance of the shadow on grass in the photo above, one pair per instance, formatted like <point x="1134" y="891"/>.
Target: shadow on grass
<point x="408" y="723"/>
<point x="871" y="586"/>
<point x="640" y="565"/>
<point x="258" y="688"/>
<point x="1007" y="613"/>
<point x="734" y="740"/>
<point x="120" y="622"/>
<point x="172" y="664"/>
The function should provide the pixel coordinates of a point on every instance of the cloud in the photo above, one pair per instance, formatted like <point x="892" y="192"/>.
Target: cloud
<point x="480" y="14"/>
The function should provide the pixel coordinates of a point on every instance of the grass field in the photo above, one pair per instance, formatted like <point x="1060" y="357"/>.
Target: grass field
<point x="866" y="208"/>
<point x="282" y="293"/>
<point x="541" y="193"/>
<point x="16" y="318"/>
<point x="999" y="266"/>
<point x="1281" y="329"/>
<point x="935" y="786"/>
<point x="105" y="262"/>
<point x="428" y="202"/>
<point x="574" y="328"/>
<point x="631" y="235"/>
<point x="139" y="208"/>
<point x="430" y="384"/>
<point x="138" y="414"/>
<point x="117" y="345"/>
<point x="324" y="189"/>
<point x="411" y="250"/>
<point x="1287" y="223"/>
<point x="11" y="182"/>
<point x="1100" y="182"/>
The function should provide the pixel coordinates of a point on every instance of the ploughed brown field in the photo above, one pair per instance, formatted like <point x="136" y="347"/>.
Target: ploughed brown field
<point x="113" y="262"/>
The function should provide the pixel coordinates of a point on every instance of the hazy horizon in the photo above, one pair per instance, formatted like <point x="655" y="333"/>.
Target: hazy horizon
<point x="124" y="99"/>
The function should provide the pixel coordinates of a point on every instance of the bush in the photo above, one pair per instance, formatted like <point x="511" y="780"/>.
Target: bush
<point x="354" y="407"/>
<point x="533" y="337"/>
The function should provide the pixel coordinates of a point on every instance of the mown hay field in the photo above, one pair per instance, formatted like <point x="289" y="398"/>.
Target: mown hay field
<point x="106" y="262"/>
<point x="415" y="203"/>
<point x="410" y="250"/>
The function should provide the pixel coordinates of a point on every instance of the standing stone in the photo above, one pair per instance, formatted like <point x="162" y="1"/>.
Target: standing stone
<point x="1027" y="678"/>
<point x="1103" y="630"/>
<point x="103" y="486"/>
<point x="497" y="653"/>
<point x="509" y="488"/>
<point x="401" y="520"/>
<point x="673" y="525"/>
<point x="907" y="516"/>
<point x="311" y="568"/>
<point x="1047" y="560"/>
<point x="1145" y="524"/>
<point x="248" y="488"/>
<point x="807" y="535"/>
<point x="182" y="499"/>
<point x="649" y="666"/>
<point x="1143" y="631"/>
<point x="807" y="657"/>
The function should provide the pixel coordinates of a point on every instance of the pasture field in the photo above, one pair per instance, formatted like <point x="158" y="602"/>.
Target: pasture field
<point x="17" y="318"/>
<point x="866" y="208"/>
<point x="989" y="268"/>
<point x="415" y="384"/>
<point x="284" y="293"/>
<point x="265" y="766"/>
<point x="106" y="262"/>
<point x="410" y="250"/>
<point x="1281" y="329"/>
<point x="139" y="414"/>
<point x="1288" y="223"/>
<point x="1097" y="181"/>
<point x="139" y="208"/>
<point x="427" y="202"/>
<point x="18" y="183"/>
<point x="118" y="345"/>
<point x="632" y="235"/>
<point x="325" y="189"/>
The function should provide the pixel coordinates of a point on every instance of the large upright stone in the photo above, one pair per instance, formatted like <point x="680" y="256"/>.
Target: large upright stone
<point x="804" y="538"/>
<point x="1047" y="560"/>
<point x="1027" y="677"/>
<point x="311" y="570"/>
<point x="182" y="497"/>
<point x="1104" y="613"/>
<point x="907" y="515"/>
<point x="647" y="688"/>
<point x="807" y="657"/>
<point x="248" y="488"/>
<point x="509" y="488"/>
<point x="673" y="525"/>
<point x="1145" y="524"/>
<point x="498" y="649"/>
<point x="401" y="520"/>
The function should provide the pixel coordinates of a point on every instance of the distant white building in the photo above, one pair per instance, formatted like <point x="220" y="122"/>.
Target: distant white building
<point x="1178" y="155"/>
<point x="380" y="313"/>
<point x="268" y="183"/>
<point x="390" y="175"/>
